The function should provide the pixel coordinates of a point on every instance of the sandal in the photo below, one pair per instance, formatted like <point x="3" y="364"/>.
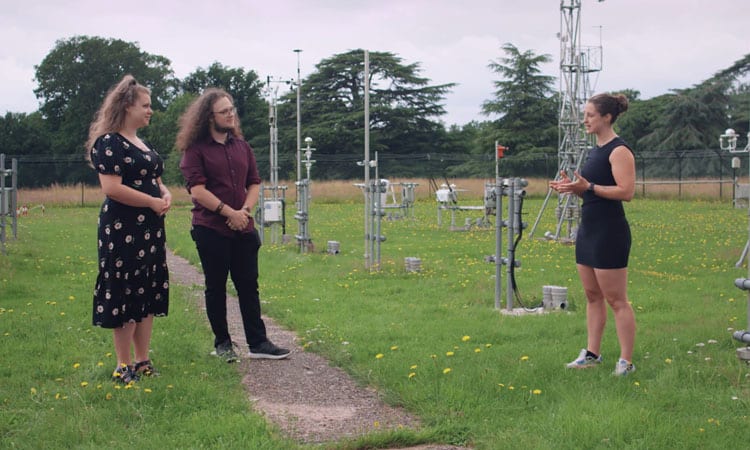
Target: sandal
<point x="124" y="374"/>
<point x="146" y="368"/>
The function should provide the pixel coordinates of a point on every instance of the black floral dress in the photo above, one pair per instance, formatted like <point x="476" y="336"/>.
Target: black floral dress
<point x="133" y="279"/>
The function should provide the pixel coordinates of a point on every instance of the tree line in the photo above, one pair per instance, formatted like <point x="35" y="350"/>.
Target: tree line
<point x="405" y="114"/>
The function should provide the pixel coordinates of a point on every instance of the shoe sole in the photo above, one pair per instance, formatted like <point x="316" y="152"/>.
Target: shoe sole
<point x="252" y="355"/>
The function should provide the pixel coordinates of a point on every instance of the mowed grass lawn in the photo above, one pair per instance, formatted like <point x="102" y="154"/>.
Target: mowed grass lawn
<point x="431" y="341"/>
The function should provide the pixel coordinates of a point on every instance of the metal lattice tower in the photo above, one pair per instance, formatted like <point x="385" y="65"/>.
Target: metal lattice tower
<point x="576" y="63"/>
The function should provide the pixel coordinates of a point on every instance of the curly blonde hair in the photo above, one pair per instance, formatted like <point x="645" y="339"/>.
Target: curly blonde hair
<point x="111" y="115"/>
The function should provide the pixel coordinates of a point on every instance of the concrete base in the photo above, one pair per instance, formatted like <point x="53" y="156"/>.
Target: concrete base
<point x="522" y="311"/>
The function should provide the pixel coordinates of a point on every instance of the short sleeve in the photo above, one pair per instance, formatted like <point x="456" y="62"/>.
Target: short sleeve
<point x="107" y="155"/>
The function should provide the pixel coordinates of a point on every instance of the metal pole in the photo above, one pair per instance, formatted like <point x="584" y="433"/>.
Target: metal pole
<point x="368" y="206"/>
<point x="498" y="243"/>
<point x="299" y="121"/>
<point x="511" y="233"/>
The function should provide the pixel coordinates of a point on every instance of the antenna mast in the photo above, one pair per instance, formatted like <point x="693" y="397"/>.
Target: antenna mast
<point x="575" y="65"/>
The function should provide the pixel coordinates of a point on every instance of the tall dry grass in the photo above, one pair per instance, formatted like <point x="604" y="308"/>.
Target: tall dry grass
<point x="347" y="191"/>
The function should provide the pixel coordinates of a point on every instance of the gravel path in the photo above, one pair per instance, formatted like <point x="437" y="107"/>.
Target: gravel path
<point x="303" y="395"/>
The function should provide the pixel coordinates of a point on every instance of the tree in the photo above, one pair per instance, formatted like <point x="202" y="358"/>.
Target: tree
<point x="692" y="119"/>
<point x="525" y="102"/>
<point x="76" y="75"/>
<point x="24" y="136"/>
<point x="404" y="109"/>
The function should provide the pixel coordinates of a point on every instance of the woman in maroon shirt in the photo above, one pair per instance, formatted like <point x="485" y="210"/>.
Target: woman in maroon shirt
<point x="223" y="181"/>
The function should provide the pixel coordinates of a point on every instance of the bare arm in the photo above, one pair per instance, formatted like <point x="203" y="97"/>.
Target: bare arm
<point x="623" y="171"/>
<point x="253" y="193"/>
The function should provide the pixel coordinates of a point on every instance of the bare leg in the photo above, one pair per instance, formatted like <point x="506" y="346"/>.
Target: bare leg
<point x="142" y="337"/>
<point x="596" y="309"/>
<point x="614" y="284"/>
<point x="123" y="338"/>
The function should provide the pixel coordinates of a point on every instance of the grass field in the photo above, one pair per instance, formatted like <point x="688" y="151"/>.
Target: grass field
<point x="430" y="341"/>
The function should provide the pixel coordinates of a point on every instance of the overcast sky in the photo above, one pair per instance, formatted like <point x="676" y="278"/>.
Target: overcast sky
<point x="648" y="45"/>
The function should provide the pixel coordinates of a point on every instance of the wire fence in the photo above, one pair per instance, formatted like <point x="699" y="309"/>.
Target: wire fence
<point x="682" y="174"/>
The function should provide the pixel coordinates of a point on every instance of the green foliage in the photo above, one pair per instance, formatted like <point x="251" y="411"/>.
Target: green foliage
<point x="506" y="387"/>
<point x="26" y="135"/>
<point x="406" y="131"/>
<point x="691" y="120"/>
<point x="75" y="76"/>
<point x="525" y="102"/>
<point x="403" y="110"/>
<point x="161" y="134"/>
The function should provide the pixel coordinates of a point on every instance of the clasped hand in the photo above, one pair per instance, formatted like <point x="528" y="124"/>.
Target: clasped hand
<point x="566" y="186"/>
<point x="238" y="220"/>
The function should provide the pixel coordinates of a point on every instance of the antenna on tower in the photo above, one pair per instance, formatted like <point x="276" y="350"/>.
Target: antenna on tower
<point x="576" y="63"/>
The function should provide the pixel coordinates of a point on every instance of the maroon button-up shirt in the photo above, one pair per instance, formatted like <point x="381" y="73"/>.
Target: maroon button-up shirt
<point x="227" y="170"/>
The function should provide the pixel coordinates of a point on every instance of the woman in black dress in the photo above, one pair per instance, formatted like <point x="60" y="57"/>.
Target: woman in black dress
<point x="603" y="239"/>
<point x="133" y="281"/>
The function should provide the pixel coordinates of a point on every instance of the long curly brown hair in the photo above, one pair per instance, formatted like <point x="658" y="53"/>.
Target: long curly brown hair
<point x="111" y="115"/>
<point x="195" y="124"/>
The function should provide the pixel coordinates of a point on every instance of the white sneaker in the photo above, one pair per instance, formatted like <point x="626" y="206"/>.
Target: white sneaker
<point x="583" y="361"/>
<point x="623" y="368"/>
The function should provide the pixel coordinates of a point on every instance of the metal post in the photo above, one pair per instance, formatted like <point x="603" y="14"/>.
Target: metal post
<point x="299" y="120"/>
<point x="728" y="141"/>
<point x="511" y="232"/>
<point x="498" y="242"/>
<point x="368" y="206"/>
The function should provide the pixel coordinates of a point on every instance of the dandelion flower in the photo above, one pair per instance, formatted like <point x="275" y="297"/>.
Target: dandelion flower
<point x="488" y="345"/>
<point x="465" y="338"/>
<point x="33" y="391"/>
<point x="536" y="391"/>
<point x="477" y="350"/>
<point x="379" y="356"/>
<point x="147" y="390"/>
<point x="447" y="370"/>
<point x="412" y="375"/>
<point x="108" y="396"/>
<point x="394" y="348"/>
<point x="76" y="365"/>
<point x="449" y="353"/>
<point x="414" y="366"/>
<point x="84" y="383"/>
<point x="524" y="358"/>
<point x="668" y="360"/>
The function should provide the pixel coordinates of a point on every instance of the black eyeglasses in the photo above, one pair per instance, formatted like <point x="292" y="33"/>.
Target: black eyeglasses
<point x="227" y="112"/>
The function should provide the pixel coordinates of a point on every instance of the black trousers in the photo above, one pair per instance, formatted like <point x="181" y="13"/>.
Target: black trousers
<point x="237" y="256"/>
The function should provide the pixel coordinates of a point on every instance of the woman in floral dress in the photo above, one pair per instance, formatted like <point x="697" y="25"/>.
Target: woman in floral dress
<point x="132" y="286"/>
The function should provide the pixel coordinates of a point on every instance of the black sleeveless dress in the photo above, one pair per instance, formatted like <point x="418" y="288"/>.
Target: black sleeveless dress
<point x="603" y="238"/>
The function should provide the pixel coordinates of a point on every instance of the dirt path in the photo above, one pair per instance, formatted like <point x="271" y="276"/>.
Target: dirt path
<point x="308" y="399"/>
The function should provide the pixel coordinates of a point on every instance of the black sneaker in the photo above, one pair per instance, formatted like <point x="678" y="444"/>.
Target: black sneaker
<point x="267" y="350"/>
<point x="225" y="350"/>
